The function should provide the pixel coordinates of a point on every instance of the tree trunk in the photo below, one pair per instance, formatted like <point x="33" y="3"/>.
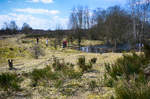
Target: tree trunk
<point x="115" y="45"/>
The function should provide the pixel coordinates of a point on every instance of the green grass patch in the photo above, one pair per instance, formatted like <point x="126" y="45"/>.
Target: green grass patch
<point x="126" y="66"/>
<point x="12" y="52"/>
<point x="41" y="75"/>
<point x="9" y="81"/>
<point x="24" y="41"/>
<point x="127" y="77"/>
<point x="86" y="66"/>
<point x="132" y="90"/>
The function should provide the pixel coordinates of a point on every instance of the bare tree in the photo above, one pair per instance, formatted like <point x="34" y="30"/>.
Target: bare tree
<point x="116" y="25"/>
<point x="11" y="28"/>
<point x="26" y="28"/>
<point x="79" y="21"/>
<point x="140" y="10"/>
<point x="59" y="35"/>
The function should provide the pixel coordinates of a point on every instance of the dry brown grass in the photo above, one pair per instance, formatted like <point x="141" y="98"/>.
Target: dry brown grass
<point x="89" y="42"/>
<point x="68" y="55"/>
<point x="26" y="64"/>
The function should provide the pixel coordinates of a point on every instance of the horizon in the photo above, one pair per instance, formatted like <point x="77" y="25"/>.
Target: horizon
<point x="46" y="14"/>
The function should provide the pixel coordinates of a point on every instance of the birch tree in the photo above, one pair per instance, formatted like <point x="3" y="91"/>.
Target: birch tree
<point x="140" y="10"/>
<point x="79" y="21"/>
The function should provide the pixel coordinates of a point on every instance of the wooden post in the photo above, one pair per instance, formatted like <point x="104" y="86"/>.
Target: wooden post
<point x="10" y="63"/>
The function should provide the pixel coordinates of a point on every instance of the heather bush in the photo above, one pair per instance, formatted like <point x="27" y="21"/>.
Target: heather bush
<point x="45" y="74"/>
<point x="132" y="90"/>
<point x="85" y="66"/>
<point x="62" y="72"/>
<point x="9" y="81"/>
<point x="57" y="65"/>
<point x="92" y="85"/>
<point x="127" y="76"/>
<point x="127" y="65"/>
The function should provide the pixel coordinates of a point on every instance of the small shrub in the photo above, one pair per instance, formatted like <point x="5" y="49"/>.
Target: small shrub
<point x="93" y="60"/>
<point x="10" y="81"/>
<point x="83" y="65"/>
<point x="39" y="74"/>
<point x="81" y="61"/>
<point x="26" y="41"/>
<point x="70" y="65"/>
<point x="55" y="76"/>
<point x="58" y="83"/>
<point x="37" y="51"/>
<point x="132" y="90"/>
<point x="89" y="66"/>
<point x="92" y="85"/>
<point x="109" y="82"/>
<point x="125" y="66"/>
<point x="43" y="75"/>
<point x="127" y="76"/>
<point x="57" y="65"/>
<point x="72" y="74"/>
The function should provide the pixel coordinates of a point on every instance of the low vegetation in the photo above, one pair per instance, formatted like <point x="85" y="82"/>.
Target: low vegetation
<point x="132" y="90"/>
<point x="126" y="66"/>
<point x="128" y="78"/>
<point x="71" y="73"/>
<point x="37" y="51"/>
<point x="10" y="82"/>
<point x="61" y="71"/>
<point x="86" y="66"/>
<point x="56" y="78"/>
<point x="12" y="53"/>
<point x="43" y="75"/>
<point x="28" y="62"/>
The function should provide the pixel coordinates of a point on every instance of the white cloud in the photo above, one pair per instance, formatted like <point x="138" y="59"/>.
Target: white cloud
<point x="34" y="22"/>
<point x="35" y="0"/>
<point x="115" y="1"/>
<point x="9" y="1"/>
<point x="38" y="11"/>
<point x="63" y="22"/>
<point x="47" y="1"/>
<point x="143" y="2"/>
<point x="43" y="1"/>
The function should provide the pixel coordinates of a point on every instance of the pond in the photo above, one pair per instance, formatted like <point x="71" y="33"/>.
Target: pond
<point x="105" y="48"/>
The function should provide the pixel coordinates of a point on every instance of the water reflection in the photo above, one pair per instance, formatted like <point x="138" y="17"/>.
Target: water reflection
<point x="106" y="48"/>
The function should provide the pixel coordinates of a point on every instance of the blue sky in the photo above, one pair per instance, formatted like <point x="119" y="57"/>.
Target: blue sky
<point x="46" y="14"/>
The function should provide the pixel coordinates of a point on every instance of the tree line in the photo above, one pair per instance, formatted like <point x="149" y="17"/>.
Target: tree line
<point x="114" y="25"/>
<point x="12" y="28"/>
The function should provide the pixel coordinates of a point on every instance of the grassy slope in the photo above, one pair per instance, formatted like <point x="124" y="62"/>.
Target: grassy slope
<point x="28" y="64"/>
